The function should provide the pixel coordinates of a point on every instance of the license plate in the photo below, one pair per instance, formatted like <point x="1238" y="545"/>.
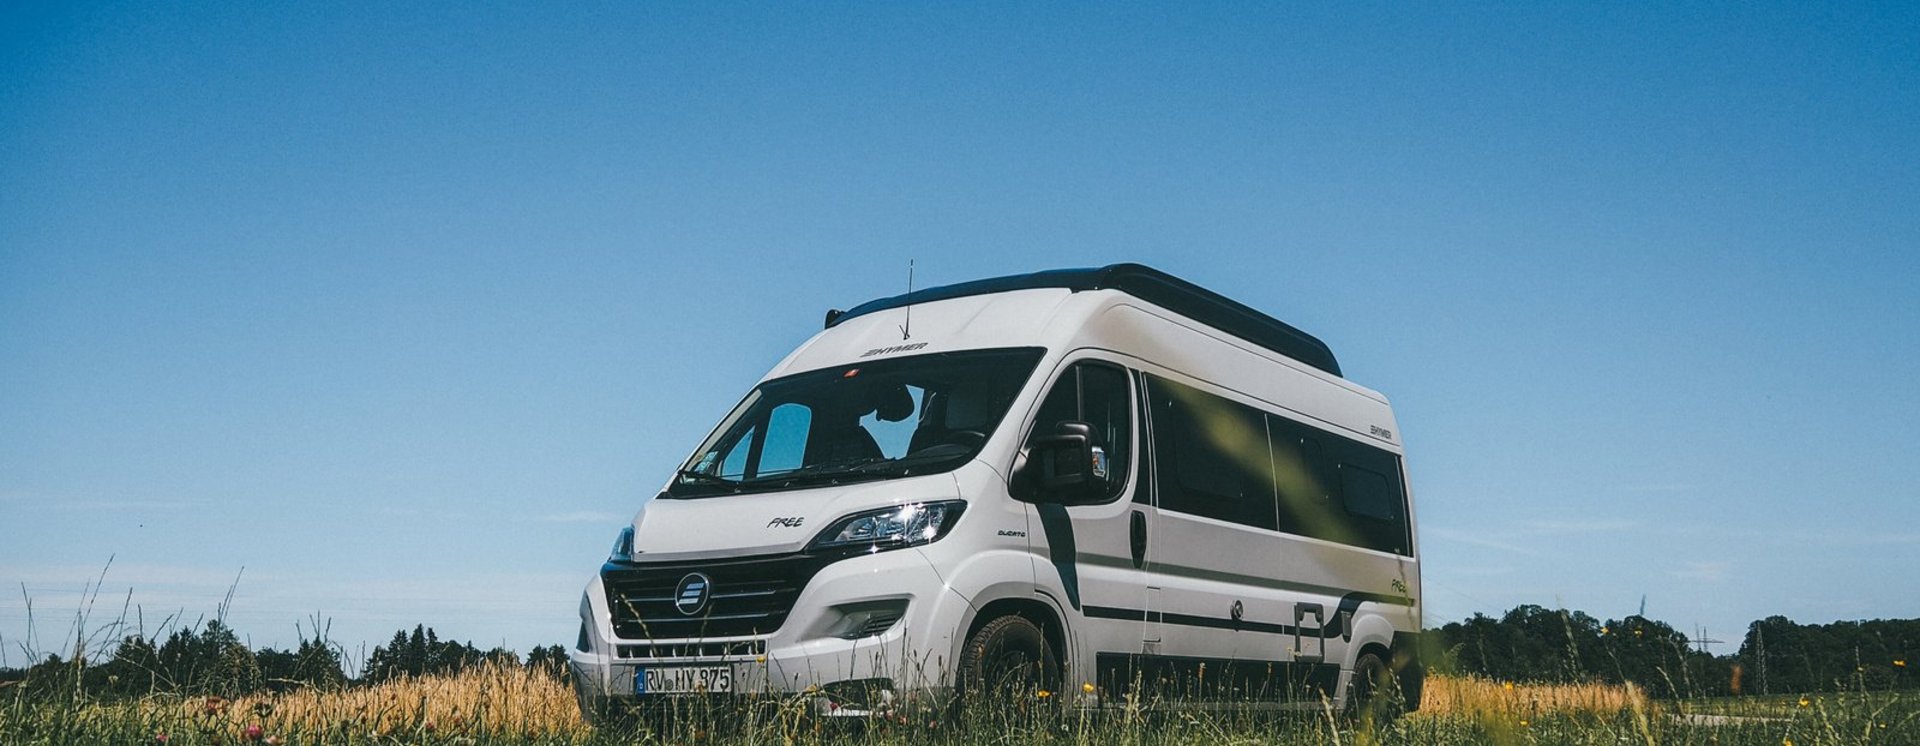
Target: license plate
<point x="683" y="680"/>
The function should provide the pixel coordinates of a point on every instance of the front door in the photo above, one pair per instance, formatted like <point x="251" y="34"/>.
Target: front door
<point x="1099" y="551"/>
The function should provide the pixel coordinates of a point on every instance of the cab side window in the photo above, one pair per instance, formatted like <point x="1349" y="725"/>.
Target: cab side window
<point x="1098" y="395"/>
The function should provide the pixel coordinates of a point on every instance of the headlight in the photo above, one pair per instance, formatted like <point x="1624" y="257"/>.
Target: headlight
<point x="622" y="547"/>
<point x="891" y="528"/>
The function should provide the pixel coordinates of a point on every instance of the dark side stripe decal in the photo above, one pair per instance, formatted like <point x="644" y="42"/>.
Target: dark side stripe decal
<point x="1335" y="626"/>
<point x="1058" y="527"/>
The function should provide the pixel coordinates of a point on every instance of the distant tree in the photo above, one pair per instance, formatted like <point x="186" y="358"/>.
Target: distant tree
<point x="313" y="664"/>
<point x="552" y="661"/>
<point x="210" y="660"/>
<point x="1529" y="643"/>
<point x="500" y="657"/>
<point x="134" y="669"/>
<point x="51" y="678"/>
<point x="1782" y="657"/>
<point x="420" y="653"/>
<point x="1533" y="643"/>
<point x="388" y="662"/>
<point x="421" y="650"/>
<point x="1659" y="658"/>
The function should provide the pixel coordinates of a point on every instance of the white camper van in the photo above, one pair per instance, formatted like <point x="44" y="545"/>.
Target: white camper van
<point x="1087" y="481"/>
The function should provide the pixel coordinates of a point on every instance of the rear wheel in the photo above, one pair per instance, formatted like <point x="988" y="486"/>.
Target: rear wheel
<point x="1374" y="697"/>
<point x="1009" y="659"/>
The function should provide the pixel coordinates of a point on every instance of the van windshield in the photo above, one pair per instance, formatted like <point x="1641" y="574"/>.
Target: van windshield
<point x="863" y="421"/>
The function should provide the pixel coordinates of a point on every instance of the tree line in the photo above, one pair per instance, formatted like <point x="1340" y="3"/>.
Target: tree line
<point x="1777" y="656"/>
<point x="211" y="660"/>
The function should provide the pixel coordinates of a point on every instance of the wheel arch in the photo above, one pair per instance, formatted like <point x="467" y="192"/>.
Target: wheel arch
<point x="1035" y="609"/>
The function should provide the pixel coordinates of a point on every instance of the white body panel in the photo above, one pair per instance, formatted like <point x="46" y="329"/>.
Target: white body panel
<point x="1205" y="589"/>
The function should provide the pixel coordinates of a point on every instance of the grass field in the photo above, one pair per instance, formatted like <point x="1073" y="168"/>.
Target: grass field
<point x="513" y="706"/>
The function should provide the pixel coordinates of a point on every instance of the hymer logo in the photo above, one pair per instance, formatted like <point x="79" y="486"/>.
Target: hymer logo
<point x="787" y="522"/>
<point x="893" y="349"/>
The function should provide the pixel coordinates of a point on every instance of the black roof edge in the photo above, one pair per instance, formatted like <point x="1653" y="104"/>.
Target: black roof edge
<point x="1145" y="283"/>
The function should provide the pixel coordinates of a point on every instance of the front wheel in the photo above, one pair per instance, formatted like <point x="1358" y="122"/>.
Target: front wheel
<point x="1010" y="659"/>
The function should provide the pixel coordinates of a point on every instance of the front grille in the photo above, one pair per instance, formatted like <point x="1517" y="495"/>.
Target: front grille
<point x="748" y="597"/>
<point x="879" y="624"/>
<point x="653" y="651"/>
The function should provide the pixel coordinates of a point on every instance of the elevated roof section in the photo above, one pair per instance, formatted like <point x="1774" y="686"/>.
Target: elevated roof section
<point x="1145" y="283"/>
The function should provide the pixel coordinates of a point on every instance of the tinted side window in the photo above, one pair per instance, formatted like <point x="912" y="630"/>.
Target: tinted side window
<point x="1107" y="405"/>
<point x="1212" y="454"/>
<point x="1338" y="489"/>
<point x="1097" y="395"/>
<point x="1372" y="497"/>
<point x="1305" y="478"/>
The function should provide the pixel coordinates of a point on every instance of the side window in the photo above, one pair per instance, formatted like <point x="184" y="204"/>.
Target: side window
<point x="734" y="466"/>
<point x="1309" y="482"/>
<point x="1107" y="405"/>
<point x="1337" y="488"/>
<point x="1062" y="403"/>
<point x="1372" y="498"/>
<point x="1366" y="494"/>
<point x="1300" y="469"/>
<point x="1098" y="395"/>
<point x="1213" y="456"/>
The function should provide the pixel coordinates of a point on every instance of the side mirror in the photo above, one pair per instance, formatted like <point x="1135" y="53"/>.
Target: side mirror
<point x="1066" y="467"/>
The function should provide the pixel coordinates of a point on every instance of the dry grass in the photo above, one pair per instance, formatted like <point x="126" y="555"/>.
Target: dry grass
<point x="494" y="701"/>
<point x="1477" y="698"/>
<point x="497" y="699"/>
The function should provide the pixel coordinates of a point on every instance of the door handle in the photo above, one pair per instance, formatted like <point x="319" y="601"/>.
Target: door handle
<point x="1139" y="538"/>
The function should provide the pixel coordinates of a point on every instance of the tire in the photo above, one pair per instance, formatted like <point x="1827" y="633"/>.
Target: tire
<point x="1008" y="658"/>
<point x="1374" y="697"/>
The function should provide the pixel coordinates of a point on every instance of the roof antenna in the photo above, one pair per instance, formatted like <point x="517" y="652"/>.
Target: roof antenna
<point x="906" y="330"/>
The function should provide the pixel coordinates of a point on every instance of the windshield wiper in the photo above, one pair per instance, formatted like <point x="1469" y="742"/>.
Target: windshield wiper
<point x="901" y="465"/>
<point x="701" y="476"/>
<point x="823" y="472"/>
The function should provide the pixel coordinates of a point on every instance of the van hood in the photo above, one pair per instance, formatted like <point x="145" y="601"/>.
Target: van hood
<point x="671" y="530"/>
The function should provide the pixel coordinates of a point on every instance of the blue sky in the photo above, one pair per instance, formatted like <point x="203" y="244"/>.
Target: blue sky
<point x="395" y="312"/>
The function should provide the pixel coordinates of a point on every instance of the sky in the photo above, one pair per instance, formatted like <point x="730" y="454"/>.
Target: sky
<point x="378" y="314"/>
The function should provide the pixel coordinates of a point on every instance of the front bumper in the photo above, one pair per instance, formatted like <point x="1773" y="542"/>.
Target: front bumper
<point x="820" y="651"/>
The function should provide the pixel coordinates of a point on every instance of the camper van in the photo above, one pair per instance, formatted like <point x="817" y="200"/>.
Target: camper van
<point x="1087" y="482"/>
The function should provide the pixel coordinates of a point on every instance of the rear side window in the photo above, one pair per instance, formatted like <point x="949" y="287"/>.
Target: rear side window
<point x="1224" y="460"/>
<point x="1372" y="498"/>
<point x="1365" y="494"/>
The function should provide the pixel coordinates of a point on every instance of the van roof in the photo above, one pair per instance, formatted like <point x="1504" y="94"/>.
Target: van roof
<point x="1145" y="283"/>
